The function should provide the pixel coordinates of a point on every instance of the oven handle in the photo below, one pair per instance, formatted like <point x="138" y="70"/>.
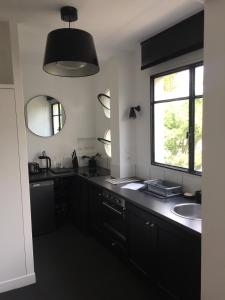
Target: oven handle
<point x="112" y="208"/>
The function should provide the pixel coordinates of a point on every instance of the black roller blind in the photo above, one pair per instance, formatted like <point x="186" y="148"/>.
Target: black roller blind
<point x="177" y="40"/>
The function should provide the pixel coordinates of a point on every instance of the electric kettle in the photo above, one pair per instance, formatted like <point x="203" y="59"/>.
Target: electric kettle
<point x="45" y="162"/>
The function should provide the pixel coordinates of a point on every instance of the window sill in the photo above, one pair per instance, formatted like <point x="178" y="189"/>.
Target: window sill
<point x="183" y="170"/>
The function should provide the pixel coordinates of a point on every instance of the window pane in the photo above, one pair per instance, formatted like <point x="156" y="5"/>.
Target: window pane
<point x="199" y="80"/>
<point x="171" y="127"/>
<point x="55" y="109"/>
<point x="56" y="127"/>
<point x="198" y="134"/>
<point x="171" y="86"/>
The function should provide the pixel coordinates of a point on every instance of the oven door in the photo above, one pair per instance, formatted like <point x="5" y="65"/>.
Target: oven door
<point x="114" y="221"/>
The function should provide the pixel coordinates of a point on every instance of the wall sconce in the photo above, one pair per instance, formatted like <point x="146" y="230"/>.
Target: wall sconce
<point x="104" y="141"/>
<point x="132" y="114"/>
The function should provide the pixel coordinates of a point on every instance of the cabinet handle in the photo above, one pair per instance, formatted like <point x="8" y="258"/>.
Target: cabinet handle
<point x="148" y="223"/>
<point x="112" y="208"/>
<point x="36" y="184"/>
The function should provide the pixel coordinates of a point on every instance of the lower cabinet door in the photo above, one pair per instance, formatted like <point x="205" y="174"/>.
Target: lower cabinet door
<point x="95" y="212"/>
<point x="42" y="207"/>
<point x="79" y="213"/>
<point x="178" y="261"/>
<point x="141" y="242"/>
<point x="62" y="190"/>
<point x="166" y="253"/>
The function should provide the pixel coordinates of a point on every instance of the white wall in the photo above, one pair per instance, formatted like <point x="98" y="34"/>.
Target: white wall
<point x="118" y="75"/>
<point x="102" y="81"/>
<point x="76" y="95"/>
<point x="126" y="99"/>
<point x="213" y="238"/>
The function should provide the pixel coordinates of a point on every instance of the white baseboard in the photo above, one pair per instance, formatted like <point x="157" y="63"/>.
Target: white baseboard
<point x="18" y="282"/>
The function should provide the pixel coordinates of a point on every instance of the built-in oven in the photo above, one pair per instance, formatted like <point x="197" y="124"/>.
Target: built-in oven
<point x="113" y="218"/>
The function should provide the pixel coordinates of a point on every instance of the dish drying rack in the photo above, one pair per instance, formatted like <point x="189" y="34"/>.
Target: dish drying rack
<point x="162" y="188"/>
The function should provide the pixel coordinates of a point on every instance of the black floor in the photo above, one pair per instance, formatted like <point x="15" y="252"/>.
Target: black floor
<point x="69" y="265"/>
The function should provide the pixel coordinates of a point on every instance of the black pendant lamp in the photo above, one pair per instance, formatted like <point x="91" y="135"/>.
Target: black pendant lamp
<point x="70" y="52"/>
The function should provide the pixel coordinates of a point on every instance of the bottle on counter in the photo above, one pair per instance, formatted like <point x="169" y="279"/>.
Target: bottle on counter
<point x="75" y="160"/>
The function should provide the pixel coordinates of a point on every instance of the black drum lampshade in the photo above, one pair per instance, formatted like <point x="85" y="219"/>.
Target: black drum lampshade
<point x="70" y="52"/>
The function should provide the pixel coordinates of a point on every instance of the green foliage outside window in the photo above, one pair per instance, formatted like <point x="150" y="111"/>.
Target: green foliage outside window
<point x="176" y="129"/>
<point x="175" y="140"/>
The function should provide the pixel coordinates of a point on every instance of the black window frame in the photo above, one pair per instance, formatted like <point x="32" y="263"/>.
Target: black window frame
<point x="56" y="115"/>
<point x="191" y="133"/>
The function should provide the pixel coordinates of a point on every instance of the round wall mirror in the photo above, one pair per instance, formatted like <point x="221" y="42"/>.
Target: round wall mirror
<point x="45" y="115"/>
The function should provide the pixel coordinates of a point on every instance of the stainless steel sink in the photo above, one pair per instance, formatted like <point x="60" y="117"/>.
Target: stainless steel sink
<point x="188" y="210"/>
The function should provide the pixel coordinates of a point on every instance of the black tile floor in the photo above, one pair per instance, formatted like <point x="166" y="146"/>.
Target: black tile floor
<point x="71" y="266"/>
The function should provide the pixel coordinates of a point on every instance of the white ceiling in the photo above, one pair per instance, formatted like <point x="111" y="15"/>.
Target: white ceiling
<point x="115" y="24"/>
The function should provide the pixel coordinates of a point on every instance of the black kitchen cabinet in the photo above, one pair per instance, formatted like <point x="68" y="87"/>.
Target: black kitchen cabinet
<point x="168" y="253"/>
<point x="108" y="219"/>
<point x="178" y="259"/>
<point x="113" y="211"/>
<point x="170" y="256"/>
<point x="141" y="240"/>
<point x="95" y="211"/>
<point x="80" y="204"/>
<point x="42" y="207"/>
<point x="62" y="192"/>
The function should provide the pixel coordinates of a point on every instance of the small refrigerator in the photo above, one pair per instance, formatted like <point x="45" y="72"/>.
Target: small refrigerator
<point x="42" y="207"/>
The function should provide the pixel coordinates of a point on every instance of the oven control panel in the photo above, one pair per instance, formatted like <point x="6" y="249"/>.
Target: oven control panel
<point x="113" y="198"/>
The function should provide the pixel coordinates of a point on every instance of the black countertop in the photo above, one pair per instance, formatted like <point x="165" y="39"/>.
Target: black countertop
<point x="83" y="172"/>
<point x="159" y="207"/>
<point x="154" y="205"/>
